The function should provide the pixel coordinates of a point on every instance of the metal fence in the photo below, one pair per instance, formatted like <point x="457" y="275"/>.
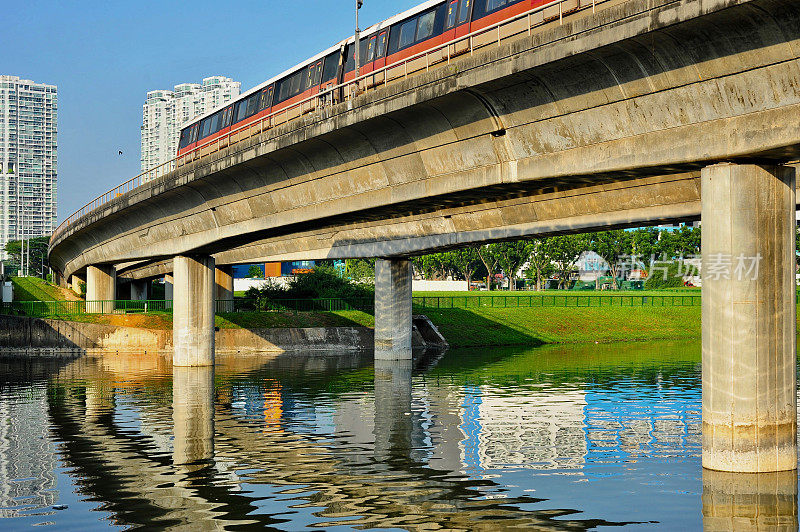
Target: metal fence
<point x="74" y="308"/>
<point x="557" y="300"/>
<point x="78" y="307"/>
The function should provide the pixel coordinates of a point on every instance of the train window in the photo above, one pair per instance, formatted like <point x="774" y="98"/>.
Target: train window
<point x="381" y="47"/>
<point x="452" y="11"/>
<point x="371" y="49"/>
<point x="205" y="127"/>
<point x="489" y="6"/>
<point x="363" y="45"/>
<point x="246" y="108"/>
<point x="241" y="110"/>
<point x="214" y="123"/>
<point x="425" y="26"/>
<point x="186" y="134"/>
<point x="195" y="130"/>
<point x="407" y="31"/>
<point x="463" y="11"/>
<point x="330" y="67"/>
<point x="350" y="58"/>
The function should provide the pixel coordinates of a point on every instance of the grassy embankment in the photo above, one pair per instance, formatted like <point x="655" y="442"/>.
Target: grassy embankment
<point x="35" y="289"/>
<point x="472" y="326"/>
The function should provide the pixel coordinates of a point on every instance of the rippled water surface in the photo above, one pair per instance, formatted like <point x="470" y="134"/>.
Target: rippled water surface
<point x="563" y="438"/>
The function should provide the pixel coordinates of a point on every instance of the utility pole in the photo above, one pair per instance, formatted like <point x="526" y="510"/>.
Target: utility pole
<point x="359" y="3"/>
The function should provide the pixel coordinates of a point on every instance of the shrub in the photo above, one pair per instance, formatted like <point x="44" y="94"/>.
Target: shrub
<point x="323" y="282"/>
<point x="675" y="271"/>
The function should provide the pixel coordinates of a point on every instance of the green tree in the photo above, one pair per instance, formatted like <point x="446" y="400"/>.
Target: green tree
<point x="489" y="256"/>
<point x="255" y="272"/>
<point x="644" y="243"/>
<point x="614" y="247"/>
<point x="541" y="263"/>
<point x="466" y="261"/>
<point x="797" y="242"/>
<point x="359" y="269"/>
<point x="511" y="257"/>
<point x="565" y="250"/>
<point x="35" y="252"/>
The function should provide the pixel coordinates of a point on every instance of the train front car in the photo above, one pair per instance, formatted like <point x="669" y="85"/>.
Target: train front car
<point x="407" y="42"/>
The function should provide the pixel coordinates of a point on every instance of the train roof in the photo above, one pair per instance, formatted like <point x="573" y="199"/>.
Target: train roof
<point x="367" y="32"/>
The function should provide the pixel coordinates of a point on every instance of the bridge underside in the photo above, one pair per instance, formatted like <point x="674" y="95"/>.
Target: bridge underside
<point x="563" y="130"/>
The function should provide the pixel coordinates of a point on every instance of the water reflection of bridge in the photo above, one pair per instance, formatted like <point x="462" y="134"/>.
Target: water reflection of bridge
<point x="396" y="456"/>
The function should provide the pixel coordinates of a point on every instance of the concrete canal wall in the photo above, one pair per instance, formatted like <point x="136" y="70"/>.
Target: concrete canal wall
<point x="23" y="332"/>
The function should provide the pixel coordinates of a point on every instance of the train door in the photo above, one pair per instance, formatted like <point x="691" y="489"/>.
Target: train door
<point x="380" y="56"/>
<point x="225" y="125"/>
<point x="314" y="75"/>
<point x="457" y="23"/>
<point x="369" y="60"/>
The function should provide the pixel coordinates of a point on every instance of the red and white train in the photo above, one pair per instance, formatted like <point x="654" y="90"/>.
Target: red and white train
<point x="390" y="42"/>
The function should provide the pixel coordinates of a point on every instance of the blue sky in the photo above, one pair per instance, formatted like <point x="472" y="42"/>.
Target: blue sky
<point x="105" y="56"/>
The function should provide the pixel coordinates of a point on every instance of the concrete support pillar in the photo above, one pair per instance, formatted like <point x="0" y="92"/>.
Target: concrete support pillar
<point x="749" y="318"/>
<point x="749" y="501"/>
<point x="392" y="309"/>
<point x="75" y="284"/>
<point x="140" y="290"/>
<point x="169" y="284"/>
<point x="224" y="288"/>
<point x="193" y="415"/>
<point x="101" y="287"/>
<point x="193" y="311"/>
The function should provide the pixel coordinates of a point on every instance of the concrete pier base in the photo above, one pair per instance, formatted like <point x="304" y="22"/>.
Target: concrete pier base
<point x="101" y="289"/>
<point x="749" y="318"/>
<point x="193" y="415"/>
<point x="140" y="290"/>
<point x="749" y="501"/>
<point x="75" y="284"/>
<point x="224" y="288"/>
<point x="392" y="309"/>
<point x="193" y="311"/>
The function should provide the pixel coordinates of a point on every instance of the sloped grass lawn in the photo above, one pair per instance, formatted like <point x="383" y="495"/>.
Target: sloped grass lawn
<point x="486" y="326"/>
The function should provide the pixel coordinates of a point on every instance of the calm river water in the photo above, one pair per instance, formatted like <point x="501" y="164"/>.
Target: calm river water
<point x="561" y="438"/>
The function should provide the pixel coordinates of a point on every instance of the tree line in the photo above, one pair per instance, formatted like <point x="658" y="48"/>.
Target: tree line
<point x="557" y="256"/>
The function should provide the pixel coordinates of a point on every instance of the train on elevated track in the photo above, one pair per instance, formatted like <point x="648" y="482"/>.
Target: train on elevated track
<point x="405" y="36"/>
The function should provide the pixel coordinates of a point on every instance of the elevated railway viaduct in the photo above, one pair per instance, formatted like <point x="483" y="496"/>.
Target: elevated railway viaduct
<point x="629" y="113"/>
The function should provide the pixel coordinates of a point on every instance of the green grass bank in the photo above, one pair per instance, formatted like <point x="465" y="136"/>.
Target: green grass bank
<point x="467" y="325"/>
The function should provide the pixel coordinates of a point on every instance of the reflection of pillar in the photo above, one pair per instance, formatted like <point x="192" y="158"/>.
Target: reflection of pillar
<point x="101" y="288"/>
<point x="393" y="422"/>
<point x="749" y="318"/>
<point x="168" y="287"/>
<point x="98" y="401"/>
<point x="193" y="311"/>
<point x="749" y="501"/>
<point x="392" y="309"/>
<point x="192" y="414"/>
<point x="224" y="288"/>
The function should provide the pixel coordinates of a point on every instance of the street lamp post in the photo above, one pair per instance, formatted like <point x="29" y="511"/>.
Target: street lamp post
<point x="359" y="3"/>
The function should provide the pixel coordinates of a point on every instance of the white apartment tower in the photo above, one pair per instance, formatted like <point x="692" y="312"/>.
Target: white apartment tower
<point x="28" y="155"/>
<point x="165" y="111"/>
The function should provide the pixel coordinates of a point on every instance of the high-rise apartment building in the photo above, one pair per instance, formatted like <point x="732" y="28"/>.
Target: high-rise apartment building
<point x="28" y="156"/>
<point x="165" y="111"/>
